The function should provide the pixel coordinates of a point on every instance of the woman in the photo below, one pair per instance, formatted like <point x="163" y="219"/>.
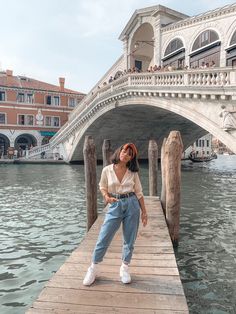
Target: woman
<point x="122" y="190"/>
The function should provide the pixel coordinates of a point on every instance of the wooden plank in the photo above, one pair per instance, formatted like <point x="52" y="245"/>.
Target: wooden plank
<point x="154" y="284"/>
<point x="155" y="287"/>
<point x="70" y="268"/>
<point x="117" y="299"/>
<point x="139" y="256"/>
<point x="60" y="308"/>
<point x="117" y="262"/>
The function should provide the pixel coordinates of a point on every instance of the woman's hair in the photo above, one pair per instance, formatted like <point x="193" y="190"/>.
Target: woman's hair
<point x="132" y="165"/>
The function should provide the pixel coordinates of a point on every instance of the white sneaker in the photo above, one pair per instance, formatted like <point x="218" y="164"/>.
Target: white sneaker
<point x="124" y="274"/>
<point x="91" y="275"/>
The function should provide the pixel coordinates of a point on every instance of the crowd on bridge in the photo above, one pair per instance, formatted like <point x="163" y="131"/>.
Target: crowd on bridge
<point x="155" y="68"/>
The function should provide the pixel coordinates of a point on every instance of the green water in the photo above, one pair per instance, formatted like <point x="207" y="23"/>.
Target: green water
<point x="43" y="219"/>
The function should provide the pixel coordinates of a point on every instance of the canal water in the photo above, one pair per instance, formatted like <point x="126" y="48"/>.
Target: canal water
<point x="43" y="217"/>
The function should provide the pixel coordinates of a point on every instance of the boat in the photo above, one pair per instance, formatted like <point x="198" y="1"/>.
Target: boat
<point x="195" y="158"/>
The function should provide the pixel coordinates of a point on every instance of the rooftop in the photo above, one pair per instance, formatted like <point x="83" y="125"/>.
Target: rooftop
<point x="7" y="79"/>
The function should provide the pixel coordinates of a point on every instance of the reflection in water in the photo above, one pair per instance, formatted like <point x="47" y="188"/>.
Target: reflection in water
<point x="43" y="219"/>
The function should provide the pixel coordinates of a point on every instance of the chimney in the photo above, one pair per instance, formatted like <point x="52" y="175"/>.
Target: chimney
<point x="9" y="72"/>
<point x="62" y="83"/>
<point x="10" y="79"/>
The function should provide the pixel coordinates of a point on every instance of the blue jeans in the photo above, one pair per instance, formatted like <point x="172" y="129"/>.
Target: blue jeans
<point x="127" y="211"/>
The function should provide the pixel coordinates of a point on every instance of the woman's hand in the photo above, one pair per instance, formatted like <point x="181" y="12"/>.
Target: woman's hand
<point x="110" y="200"/>
<point x="144" y="218"/>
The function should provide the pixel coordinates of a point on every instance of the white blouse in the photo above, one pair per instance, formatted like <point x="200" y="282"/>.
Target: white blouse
<point x="109" y="182"/>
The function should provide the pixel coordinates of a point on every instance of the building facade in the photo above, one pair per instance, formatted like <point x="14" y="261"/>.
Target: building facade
<point x="161" y="38"/>
<point x="202" y="147"/>
<point x="31" y="112"/>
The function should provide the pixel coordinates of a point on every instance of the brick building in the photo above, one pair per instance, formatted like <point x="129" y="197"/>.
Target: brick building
<point x="31" y="112"/>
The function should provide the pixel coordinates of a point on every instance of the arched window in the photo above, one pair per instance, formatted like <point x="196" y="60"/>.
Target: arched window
<point x="231" y="52"/>
<point x="174" y="55"/>
<point x="205" y="50"/>
<point x="4" y="144"/>
<point x="233" y="39"/>
<point x="173" y="46"/>
<point x="205" y="38"/>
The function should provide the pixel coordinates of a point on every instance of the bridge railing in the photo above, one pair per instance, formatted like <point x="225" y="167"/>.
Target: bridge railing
<point x="36" y="151"/>
<point x="210" y="77"/>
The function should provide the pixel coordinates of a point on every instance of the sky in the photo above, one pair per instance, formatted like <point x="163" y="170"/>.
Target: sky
<point x="75" y="39"/>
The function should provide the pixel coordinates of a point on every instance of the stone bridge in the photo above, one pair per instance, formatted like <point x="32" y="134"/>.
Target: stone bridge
<point x="142" y="106"/>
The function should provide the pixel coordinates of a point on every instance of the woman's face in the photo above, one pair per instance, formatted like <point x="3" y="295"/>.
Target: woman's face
<point x="125" y="155"/>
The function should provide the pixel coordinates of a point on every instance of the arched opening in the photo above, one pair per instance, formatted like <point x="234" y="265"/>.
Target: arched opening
<point x="206" y="50"/>
<point x="231" y="52"/>
<point x="24" y="142"/>
<point x="142" y="48"/>
<point x="117" y="75"/>
<point x="4" y="144"/>
<point x="174" y="55"/>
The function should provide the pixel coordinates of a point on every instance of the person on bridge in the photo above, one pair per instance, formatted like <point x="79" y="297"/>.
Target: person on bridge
<point x="121" y="188"/>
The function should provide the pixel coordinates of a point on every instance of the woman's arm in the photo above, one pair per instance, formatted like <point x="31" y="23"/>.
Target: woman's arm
<point x="144" y="216"/>
<point x="139" y="194"/>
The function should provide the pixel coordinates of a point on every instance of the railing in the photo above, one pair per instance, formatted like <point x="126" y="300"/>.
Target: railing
<point x="38" y="150"/>
<point x="195" y="77"/>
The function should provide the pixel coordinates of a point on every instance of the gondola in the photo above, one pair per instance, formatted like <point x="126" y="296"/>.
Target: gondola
<point x="202" y="158"/>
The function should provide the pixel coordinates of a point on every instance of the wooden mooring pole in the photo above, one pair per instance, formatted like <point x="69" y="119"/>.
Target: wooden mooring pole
<point x="90" y="163"/>
<point x="106" y="152"/>
<point x="153" y="167"/>
<point x="163" y="177"/>
<point x="173" y="153"/>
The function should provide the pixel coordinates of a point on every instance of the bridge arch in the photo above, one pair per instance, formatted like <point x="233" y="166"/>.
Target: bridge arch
<point x="141" y="118"/>
<point x="142" y="47"/>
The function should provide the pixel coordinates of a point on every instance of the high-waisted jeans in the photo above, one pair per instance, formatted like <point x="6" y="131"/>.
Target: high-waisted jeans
<point x="127" y="211"/>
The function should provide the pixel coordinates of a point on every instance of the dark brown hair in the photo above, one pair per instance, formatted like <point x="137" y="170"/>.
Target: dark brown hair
<point x="132" y="165"/>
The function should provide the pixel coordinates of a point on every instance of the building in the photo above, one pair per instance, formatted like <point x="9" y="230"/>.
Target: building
<point x="159" y="38"/>
<point x="220" y="148"/>
<point x="31" y="111"/>
<point x="202" y="147"/>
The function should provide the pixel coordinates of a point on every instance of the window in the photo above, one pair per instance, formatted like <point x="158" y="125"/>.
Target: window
<point x="49" y="100"/>
<point x="2" y="96"/>
<point x="207" y="143"/>
<point x="25" y="119"/>
<point x="56" y="121"/>
<point x="174" y="45"/>
<point x="56" y="100"/>
<point x="2" y="118"/>
<point x="48" y="121"/>
<point x="205" y="38"/>
<point x="53" y="100"/>
<point x="72" y="102"/>
<point x="233" y="39"/>
<point x="52" y="121"/>
<point x="21" y="97"/>
<point x="29" y="98"/>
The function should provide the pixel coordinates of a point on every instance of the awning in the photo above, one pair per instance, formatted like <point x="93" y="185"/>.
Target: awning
<point x="47" y="133"/>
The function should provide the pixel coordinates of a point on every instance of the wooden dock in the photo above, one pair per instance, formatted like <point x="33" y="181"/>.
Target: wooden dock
<point x="155" y="288"/>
